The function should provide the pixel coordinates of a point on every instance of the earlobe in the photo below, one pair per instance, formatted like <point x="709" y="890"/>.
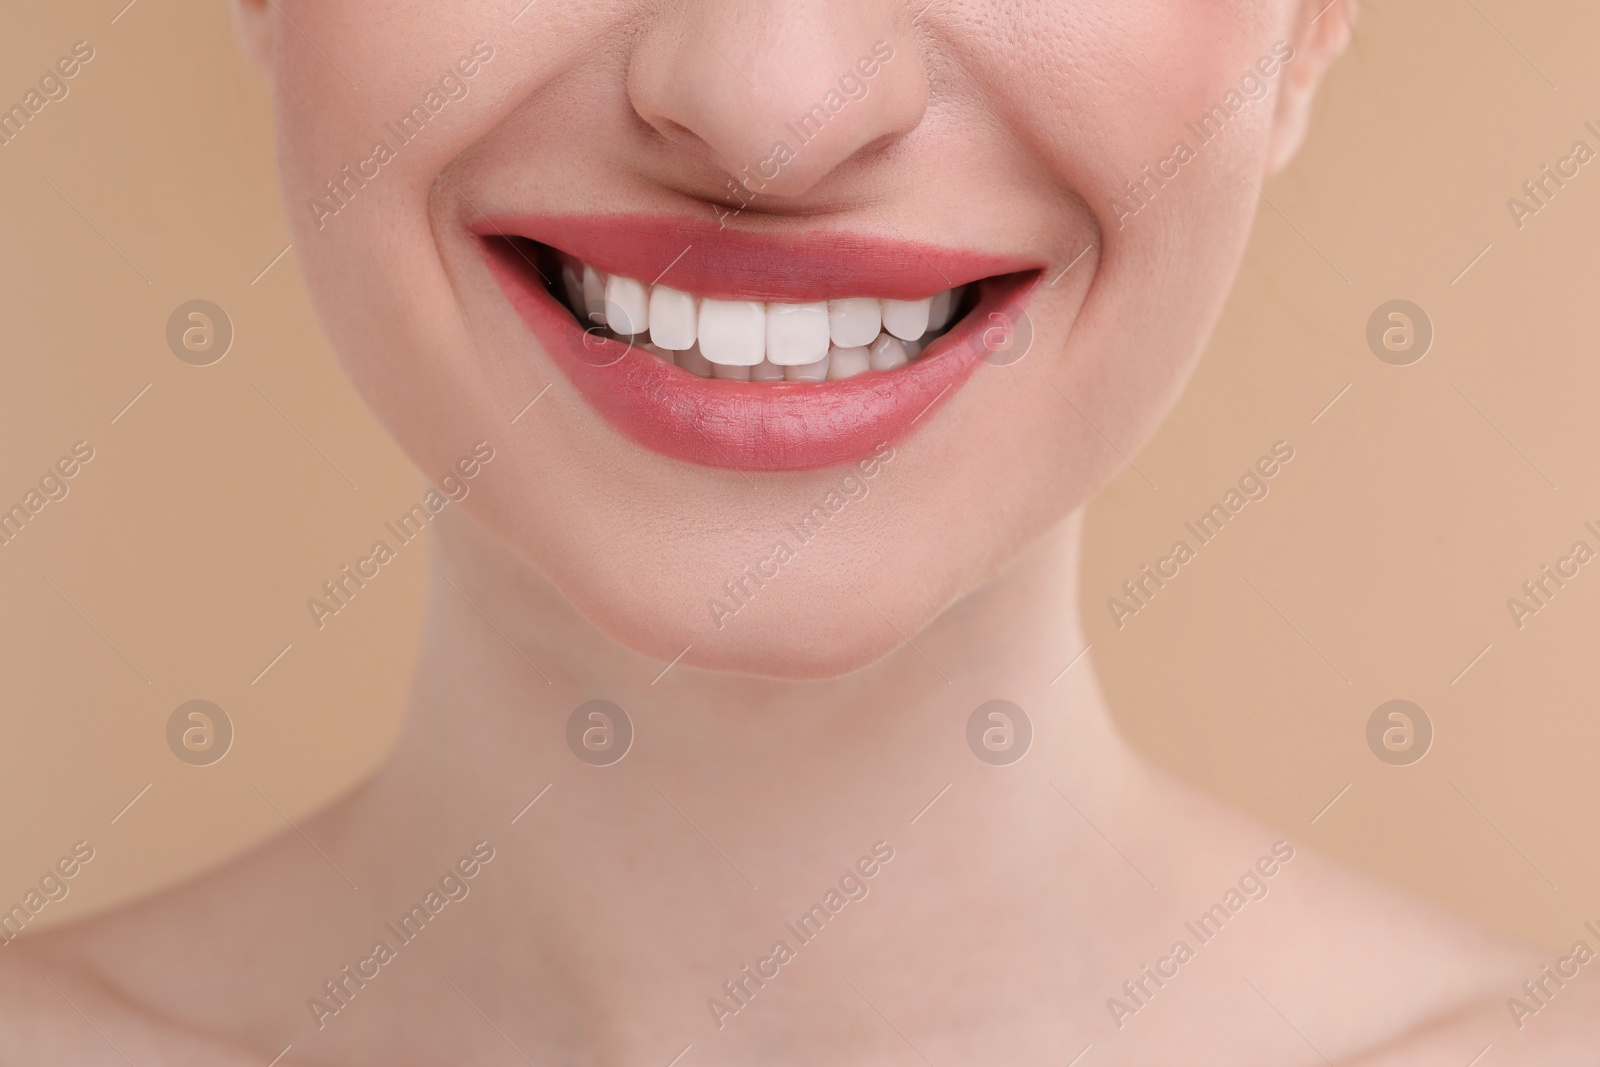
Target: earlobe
<point x="1322" y="33"/>
<point x="257" y="24"/>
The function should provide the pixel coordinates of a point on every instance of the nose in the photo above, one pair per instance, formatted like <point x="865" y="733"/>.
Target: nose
<point x="778" y="94"/>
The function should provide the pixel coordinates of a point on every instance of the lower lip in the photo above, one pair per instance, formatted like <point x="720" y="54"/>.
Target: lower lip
<point x="757" y="426"/>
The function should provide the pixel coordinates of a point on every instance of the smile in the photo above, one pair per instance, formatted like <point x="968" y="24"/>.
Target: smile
<point x="750" y="351"/>
<point x="753" y="340"/>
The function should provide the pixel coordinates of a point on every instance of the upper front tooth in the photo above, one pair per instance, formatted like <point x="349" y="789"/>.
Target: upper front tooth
<point x="672" y="317"/>
<point x="594" y="296"/>
<point x="797" y="333"/>
<point x="825" y="337"/>
<point x="906" y="319"/>
<point x="854" y="321"/>
<point x="627" y="305"/>
<point x="733" y="332"/>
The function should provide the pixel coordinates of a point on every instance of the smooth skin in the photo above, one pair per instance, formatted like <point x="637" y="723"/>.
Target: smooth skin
<point x="778" y="749"/>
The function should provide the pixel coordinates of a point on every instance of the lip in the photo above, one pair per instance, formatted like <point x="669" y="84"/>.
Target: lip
<point x="764" y="426"/>
<point x="708" y="260"/>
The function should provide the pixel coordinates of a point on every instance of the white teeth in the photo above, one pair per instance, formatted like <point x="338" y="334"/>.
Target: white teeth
<point x="627" y="305"/>
<point x="692" y="361"/>
<point x="848" y="362"/>
<point x="672" y="318"/>
<point x="906" y="319"/>
<point x="854" y="321"/>
<point x="887" y="353"/>
<point x="572" y="282"/>
<point x="733" y="332"/>
<point x="807" y="372"/>
<point x="594" y="295"/>
<point x="797" y="333"/>
<point x="751" y="340"/>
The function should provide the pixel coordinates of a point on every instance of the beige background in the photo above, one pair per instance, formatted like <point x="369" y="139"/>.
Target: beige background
<point x="179" y="564"/>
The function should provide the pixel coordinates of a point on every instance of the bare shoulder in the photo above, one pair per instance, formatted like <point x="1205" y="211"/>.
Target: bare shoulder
<point x="145" y="982"/>
<point x="1565" y="1033"/>
<point x="1372" y="976"/>
<point x="1470" y="989"/>
<point x="59" y="1014"/>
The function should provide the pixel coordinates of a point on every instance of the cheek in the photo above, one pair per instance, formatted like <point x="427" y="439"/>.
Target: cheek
<point x="369" y="254"/>
<point x="1167" y="258"/>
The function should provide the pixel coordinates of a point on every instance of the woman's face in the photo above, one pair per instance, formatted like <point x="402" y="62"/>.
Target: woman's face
<point x="756" y="178"/>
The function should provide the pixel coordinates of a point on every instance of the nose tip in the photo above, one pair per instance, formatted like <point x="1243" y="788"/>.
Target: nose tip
<point x="777" y="95"/>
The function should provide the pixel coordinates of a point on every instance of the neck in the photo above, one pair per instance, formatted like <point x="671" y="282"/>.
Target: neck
<point x="741" y="798"/>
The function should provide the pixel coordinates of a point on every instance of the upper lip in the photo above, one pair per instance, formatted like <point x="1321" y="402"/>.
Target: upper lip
<point x="707" y="259"/>
<point x="754" y="425"/>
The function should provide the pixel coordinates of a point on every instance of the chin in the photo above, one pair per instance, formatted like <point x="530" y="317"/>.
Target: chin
<point x="811" y="623"/>
<point x="778" y="644"/>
